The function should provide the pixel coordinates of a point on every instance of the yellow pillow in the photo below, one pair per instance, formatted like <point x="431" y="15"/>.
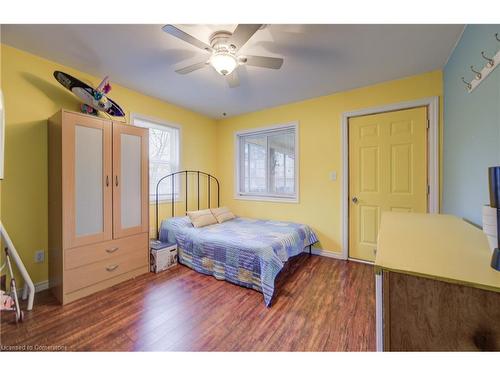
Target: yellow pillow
<point x="222" y="214"/>
<point x="201" y="218"/>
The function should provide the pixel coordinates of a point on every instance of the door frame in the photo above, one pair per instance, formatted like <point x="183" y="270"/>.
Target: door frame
<point x="432" y="104"/>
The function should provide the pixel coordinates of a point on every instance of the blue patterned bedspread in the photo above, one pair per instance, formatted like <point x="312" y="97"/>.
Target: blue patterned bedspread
<point x="246" y="252"/>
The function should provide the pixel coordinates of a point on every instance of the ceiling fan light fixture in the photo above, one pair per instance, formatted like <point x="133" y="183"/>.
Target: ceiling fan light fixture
<point x="223" y="62"/>
<point x="225" y="48"/>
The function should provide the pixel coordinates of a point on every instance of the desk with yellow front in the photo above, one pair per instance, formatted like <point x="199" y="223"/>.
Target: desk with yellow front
<point x="435" y="289"/>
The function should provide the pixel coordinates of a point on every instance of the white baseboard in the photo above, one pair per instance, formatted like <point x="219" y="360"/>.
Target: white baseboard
<point x="334" y="255"/>
<point x="361" y="261"/>
<point x="42" y="285"/>
<point x="324" y="253"/>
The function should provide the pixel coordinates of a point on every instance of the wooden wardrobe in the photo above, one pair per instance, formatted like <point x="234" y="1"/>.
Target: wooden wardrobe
<point x="98" y="203"/>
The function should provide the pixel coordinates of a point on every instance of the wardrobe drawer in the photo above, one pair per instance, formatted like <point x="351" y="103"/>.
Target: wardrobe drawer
<point x="108" y="250"/>
<point x="94" y="273"/>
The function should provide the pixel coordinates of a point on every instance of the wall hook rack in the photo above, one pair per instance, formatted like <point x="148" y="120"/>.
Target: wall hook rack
<point x="467" y="84"/>
<point x="491" y="62"/>
<point x="480" y="76"/>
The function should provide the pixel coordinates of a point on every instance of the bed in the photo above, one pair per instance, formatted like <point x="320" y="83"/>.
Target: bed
<point x="246" y="252"/>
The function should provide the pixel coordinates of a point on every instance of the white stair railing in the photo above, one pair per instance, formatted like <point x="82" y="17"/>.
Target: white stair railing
<point x="29" y="287"/>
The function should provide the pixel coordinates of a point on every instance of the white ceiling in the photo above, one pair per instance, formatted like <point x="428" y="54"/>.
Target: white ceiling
<point x="319" y="59"/>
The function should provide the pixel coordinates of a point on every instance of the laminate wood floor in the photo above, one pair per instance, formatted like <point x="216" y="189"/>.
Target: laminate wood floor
<point x="322" y="304"/>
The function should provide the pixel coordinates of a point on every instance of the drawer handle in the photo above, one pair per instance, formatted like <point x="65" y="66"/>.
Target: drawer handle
<point x="111" y="250"/>
<point x="112" y="268"/>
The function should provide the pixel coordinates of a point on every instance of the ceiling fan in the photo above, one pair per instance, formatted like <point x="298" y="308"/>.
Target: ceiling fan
<point x="224" y="47"/>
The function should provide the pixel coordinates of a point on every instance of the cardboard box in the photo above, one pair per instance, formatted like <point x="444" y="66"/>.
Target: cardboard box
<point x="162" y="256"/>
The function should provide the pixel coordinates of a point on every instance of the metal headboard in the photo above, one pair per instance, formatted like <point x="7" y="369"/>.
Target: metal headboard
<point x="172" y="201"/>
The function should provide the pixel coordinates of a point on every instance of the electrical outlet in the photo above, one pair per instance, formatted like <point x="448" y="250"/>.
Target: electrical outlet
<point x="333" y="176"/>
<point x="39" y="256"/>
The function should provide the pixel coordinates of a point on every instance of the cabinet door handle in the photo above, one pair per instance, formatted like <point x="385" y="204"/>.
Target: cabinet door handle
<point x="111" y="250"/>
<point x="107" y="180"/>
<point x="112" y="268"/>
<point x="116" y="180"/>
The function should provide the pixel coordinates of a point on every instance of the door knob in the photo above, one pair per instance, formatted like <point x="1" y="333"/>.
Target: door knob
<point x="355" y="200"/>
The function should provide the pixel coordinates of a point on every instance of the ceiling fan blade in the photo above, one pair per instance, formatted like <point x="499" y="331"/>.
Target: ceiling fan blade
<point x="264" y="61"/>
<point x="242" y="33"/>
<point x="191" y="68"/>
<point x="233" y="79"/>
<point x="178" y="33"/>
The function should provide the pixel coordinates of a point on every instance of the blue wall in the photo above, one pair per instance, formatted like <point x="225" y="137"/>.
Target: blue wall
<point x="471" y="125"/>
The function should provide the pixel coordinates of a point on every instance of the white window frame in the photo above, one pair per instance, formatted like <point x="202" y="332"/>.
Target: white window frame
<point x="266" y="197"/>
<point x="161" y="124"/>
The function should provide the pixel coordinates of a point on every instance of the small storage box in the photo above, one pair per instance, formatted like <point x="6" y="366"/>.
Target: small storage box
<point x="163" y="256"/>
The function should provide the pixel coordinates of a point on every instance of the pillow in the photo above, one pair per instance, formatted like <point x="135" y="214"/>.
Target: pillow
<point x="222" y="214"/>
<point x="201" y="218"/>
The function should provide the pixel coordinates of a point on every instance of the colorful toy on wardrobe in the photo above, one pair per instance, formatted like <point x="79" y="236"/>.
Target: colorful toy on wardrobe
<point x="94" y="100"/>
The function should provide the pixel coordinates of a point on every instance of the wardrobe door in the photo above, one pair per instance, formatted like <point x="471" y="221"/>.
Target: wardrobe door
<point x="86" y="180"/>
<point x="130" y="180"/>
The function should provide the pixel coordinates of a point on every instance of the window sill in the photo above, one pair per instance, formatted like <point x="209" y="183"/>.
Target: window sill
<point x="266" y="199"/>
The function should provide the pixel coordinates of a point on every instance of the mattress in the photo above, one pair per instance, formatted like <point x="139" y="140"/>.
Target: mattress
<point x="246" y="252"/>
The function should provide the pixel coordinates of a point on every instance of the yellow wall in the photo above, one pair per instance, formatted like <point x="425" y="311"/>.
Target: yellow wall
<point x="31" y="96"/>
<point x="319" y="154"/>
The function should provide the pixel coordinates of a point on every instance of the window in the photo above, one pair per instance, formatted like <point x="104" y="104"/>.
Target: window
<point x="267" y="167"/>
<point x="163" y="156"/>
